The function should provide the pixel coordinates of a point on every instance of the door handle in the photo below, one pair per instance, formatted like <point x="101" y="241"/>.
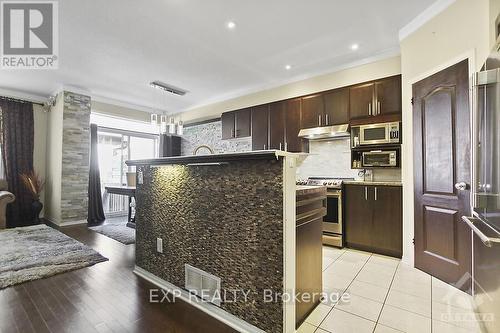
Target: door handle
<point x="366" y="193"/>
<point x="488" y="241"/>
<point x="461" y="186"/>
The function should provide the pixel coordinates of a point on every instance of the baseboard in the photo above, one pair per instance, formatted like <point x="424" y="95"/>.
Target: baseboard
<point x="212" y="310"/>
<point x="67" y="224"/>
<point x="56" y="225"/>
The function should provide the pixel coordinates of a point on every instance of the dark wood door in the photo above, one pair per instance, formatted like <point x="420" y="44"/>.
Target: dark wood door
<point x="260" y="127"/>
<point x="387" y="224"/>
<point x="243" y="120"/>
<point x="361" y="100"/>
<point x="442" y="158"/>
<point x="358" y="216"/>
<point x="388" y="95"/>
<point x="227" y="120"/>
<point x="277" y="125"/>
<point x="292" y="126"/>
<point x="337" y="107"/>
<point x="313" y="108"/>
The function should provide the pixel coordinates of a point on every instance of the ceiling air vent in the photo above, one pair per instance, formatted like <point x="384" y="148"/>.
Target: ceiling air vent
<point x="168" y="88"/>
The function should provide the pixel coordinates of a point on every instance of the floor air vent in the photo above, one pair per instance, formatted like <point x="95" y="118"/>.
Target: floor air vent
<point x="202" y="284"/>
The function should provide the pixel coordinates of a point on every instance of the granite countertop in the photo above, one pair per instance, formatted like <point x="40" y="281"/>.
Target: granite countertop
<point x="303" y="189"/>
<point x="215" y="158"/>
<point x="377" y="183"/>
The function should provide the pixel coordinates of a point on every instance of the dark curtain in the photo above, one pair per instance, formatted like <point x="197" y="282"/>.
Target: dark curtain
<point x="96" y="212"/>
<point x="17" y="127"/>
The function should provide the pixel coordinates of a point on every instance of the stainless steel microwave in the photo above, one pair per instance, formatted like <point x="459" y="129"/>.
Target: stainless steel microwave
<point x="377" y="134"/>
<point x="380" y="158"/>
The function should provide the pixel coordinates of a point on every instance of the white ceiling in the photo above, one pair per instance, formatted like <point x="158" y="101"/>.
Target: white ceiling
<point x="114" y="48"/>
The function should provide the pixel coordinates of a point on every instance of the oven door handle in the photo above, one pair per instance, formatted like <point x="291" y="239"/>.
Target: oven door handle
<point x="488" y="241"/>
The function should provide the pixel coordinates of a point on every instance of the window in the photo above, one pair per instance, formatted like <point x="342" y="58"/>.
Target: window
<point x="117" y="143"/>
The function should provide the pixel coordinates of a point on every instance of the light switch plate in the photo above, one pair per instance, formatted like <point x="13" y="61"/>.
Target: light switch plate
<point x="159" y="245"/>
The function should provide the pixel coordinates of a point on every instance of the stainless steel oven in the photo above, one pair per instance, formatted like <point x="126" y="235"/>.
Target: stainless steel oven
<point x="332" y="222"/>
<point x="378" y="134"/>
<point x="380" y="158"/>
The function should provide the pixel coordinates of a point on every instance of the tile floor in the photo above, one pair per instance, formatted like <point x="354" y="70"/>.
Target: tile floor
<point x="383" y="295"/>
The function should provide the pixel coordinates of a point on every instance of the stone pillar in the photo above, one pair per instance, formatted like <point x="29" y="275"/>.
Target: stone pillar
<point x="75" y="157"/>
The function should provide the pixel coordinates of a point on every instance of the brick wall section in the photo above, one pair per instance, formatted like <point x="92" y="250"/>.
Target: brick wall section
<point x="75" y="157"/>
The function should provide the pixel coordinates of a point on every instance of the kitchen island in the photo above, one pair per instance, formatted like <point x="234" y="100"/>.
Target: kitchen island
<point x="225" y="222"/>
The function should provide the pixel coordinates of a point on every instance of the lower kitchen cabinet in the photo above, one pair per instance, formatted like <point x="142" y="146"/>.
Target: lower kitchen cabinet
<point x="373" y="219"/>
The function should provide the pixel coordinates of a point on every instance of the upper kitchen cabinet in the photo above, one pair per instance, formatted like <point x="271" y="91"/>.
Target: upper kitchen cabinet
<point x="313" y="110"/>
<point x="336" y="107"/>
<point x="260" y="127"/>
<point x="236" y="124"/>
<point x="388" y="95"/>
<point x="376" y="101"/>
<point x="361" y="100"/>
<point x="277" y="112"/>
<point x="292" y="127"/>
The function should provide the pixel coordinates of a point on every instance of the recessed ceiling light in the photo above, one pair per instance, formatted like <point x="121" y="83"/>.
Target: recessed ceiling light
<point x="231" y="25"/>
<point x="288" y="67"/>
<point x="354" y="47"/>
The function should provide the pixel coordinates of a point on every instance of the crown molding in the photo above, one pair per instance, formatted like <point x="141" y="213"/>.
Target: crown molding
<point x="424" y="17"/>
<point x="115" y="102"/>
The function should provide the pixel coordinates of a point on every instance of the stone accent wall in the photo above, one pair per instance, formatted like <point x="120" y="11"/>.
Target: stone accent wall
<point x="226" y="220"/>
<point x="211" y="134"/>
<point x="75" y="157"/>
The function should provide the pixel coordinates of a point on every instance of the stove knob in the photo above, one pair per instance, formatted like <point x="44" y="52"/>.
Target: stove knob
<point x="325" y="183"/>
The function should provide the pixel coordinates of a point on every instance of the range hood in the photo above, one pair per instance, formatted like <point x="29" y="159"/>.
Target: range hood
<point x="325" y="132"/>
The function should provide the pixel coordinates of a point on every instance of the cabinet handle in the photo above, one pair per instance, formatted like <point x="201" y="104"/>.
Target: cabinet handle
<point x="378" y="107"/>
<point x="280" y="145"/>
<point x="375" y="193"/>
<point x="327" y="120"/>
<point x="366" y="193"/>
<point x="370" y="109"/>
<point x="264" y="146"/>
<point x="319" y="120"/>
<point x="286" y="146"/>
<point x="232" y="133"/>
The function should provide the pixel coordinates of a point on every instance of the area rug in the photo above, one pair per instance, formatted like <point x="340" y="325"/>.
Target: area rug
<point x="31" y="253"/>
<point x="117" y="231"/>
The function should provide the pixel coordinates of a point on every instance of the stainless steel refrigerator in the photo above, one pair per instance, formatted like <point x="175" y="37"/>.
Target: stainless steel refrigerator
<point x="485" y="222"/>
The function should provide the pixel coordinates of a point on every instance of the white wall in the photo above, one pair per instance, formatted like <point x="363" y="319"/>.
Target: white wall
<point x="375" y="70"/>
<point x="53" y="161"/>
<point x="460" y="31"/>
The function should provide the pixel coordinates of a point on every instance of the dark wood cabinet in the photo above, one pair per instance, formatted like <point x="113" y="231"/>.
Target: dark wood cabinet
<point x="387" y="227"/>
<point x="388" y="95"/>
<point x="361" y="100"/>
<point x="313" y="109"/>
<point x="260" y="127"/>
<point x="336" y="107"/>
<point x="277" y="125"/>
<point x="242" y="120"/>
<point x="292" y="127"/>
<point x="373" y="218"/>
<point x="236" y="124"/>
<point x="228" y="125"/>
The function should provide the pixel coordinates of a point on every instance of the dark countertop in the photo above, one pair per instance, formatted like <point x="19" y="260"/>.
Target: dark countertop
<point x="374" y="183"/>
<point x="214" y="158"/>
<point x="303" y="190"/>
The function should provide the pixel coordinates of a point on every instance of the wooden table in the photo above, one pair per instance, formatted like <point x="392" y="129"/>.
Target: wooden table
<point x="127" y="191"/>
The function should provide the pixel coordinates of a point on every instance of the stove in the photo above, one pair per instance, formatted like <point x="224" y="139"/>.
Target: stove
<point x="329" y="182"/>
<point x="333" y="227"/>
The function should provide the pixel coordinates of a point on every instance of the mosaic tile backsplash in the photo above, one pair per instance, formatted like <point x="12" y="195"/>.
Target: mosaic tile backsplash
<point x="210" y="134"/>
<point x="226" y="220"/>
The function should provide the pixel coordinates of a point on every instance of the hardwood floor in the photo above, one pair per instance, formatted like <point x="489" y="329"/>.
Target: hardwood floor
<point x="107" y="297"/>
